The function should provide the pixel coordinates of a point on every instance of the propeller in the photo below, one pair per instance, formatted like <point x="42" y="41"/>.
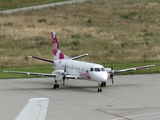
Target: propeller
<point x="112" y="74"/>
<point x="64" y="75"/>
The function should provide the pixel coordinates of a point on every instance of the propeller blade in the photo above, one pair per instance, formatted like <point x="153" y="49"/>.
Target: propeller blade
<point x="111" y="67"/>
<point x="111" y="77"/>
<point x="112" y="81"/>
<point x="64" y="75"/>
<point x="65" y="69"/>
<point x="63" y="81"/>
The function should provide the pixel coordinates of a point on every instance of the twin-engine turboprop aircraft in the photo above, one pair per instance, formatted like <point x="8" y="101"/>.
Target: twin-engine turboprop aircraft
<point x="70" y="68"/>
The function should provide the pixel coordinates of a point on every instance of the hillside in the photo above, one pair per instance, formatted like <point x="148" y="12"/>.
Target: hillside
<point x="116" y="31"/>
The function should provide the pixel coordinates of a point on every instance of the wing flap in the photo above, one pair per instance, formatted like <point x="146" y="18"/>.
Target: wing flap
<point x="30" y="73"/>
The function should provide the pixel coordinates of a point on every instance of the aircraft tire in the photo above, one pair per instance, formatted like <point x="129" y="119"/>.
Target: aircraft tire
<point x="99" y="90"/>
<point x="54" y="86"/>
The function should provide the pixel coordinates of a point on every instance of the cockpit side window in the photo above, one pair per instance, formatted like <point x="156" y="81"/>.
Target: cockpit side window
<point x="102" y="69"/>
<point x="91" y="69"/>
<point x="97" y="69"/>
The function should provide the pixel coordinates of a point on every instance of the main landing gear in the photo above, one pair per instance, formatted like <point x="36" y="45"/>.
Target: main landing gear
<point x="102" y="84"/>
<point x="56" y="85"/>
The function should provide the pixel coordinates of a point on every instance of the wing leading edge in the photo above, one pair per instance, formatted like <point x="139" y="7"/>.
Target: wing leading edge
<point x="131" y="69"/>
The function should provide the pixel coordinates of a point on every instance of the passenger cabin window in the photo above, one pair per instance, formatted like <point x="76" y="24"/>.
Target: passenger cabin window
<point x="97" y="69"/>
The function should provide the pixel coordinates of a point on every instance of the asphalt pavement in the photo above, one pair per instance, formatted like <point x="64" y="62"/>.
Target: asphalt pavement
<point x="132" y="97"/>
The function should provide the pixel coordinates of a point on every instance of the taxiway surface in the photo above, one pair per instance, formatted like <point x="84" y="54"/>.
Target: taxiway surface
<point x="132" y="97"/>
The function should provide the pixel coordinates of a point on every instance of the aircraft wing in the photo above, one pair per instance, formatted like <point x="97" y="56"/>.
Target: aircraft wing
<point x="56" y="74"/>
<point x="131" y="69"/>
<point x="30" y="73"/>
<point x="35" y="109"/>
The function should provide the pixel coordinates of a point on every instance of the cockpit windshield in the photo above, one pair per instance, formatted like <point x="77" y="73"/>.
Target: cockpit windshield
<point x="97" y="69"/>
<point x="102" y="69"/>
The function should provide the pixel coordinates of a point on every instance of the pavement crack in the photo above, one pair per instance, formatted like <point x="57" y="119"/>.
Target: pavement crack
<point x="108" y="113"/>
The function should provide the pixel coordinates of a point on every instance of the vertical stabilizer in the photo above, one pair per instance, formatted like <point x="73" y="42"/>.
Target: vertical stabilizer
<point x="57" y="54"/>
<point x="35" y="109"/>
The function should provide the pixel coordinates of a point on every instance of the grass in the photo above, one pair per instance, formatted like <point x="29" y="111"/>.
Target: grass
<point x="12" y="4"/>
<point x="117" y="32"/>
<point x="39" y="69"/>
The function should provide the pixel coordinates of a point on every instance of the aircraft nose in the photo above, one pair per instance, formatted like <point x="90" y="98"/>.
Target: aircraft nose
<point x="104" y="77"/>
<point x="99" y="76"/>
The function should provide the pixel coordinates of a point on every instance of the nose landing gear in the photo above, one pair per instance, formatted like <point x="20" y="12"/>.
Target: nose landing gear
<point x="100" y="85"/>
<point x="99" y="90"/>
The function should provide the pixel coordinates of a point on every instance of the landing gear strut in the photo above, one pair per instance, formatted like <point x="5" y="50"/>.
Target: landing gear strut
<point x="55" y="86"/>
<point x="103" y="84"/>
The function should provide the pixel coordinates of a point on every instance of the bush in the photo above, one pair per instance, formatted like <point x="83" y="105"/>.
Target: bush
<point x="8" y="24"/>
<point x="42" y="20"/>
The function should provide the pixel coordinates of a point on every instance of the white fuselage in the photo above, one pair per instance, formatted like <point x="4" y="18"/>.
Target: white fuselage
<point x="83" y="70"/>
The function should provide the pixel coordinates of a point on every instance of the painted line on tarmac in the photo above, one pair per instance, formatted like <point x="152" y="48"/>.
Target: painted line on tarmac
<point x="76" y="107"/>
<point x="93" y="103"/>
<point x="143" y="91"/>
<point x="126" y="95"/>
<point x="138" y="115"/>
<point x="57" y="112"/>
<point x="157" y="87"/>
<point x="110" y="99"/>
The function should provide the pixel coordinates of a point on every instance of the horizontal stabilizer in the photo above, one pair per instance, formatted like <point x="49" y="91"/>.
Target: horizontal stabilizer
<point x="74" y="58"/>
<point x="41" y="59"/>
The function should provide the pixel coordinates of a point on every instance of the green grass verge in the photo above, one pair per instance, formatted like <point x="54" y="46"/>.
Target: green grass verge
<point x="49" y="69"/>
<point x="37" y="69"/>
<point x="12" y="4"/>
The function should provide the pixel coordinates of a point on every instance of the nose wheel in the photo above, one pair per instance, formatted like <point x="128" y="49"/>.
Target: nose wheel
<point x="100" y="85"/>
<point x="99" y="88"/>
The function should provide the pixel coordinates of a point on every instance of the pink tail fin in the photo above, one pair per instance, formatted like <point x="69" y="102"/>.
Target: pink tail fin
<point x="57" y="54"/>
